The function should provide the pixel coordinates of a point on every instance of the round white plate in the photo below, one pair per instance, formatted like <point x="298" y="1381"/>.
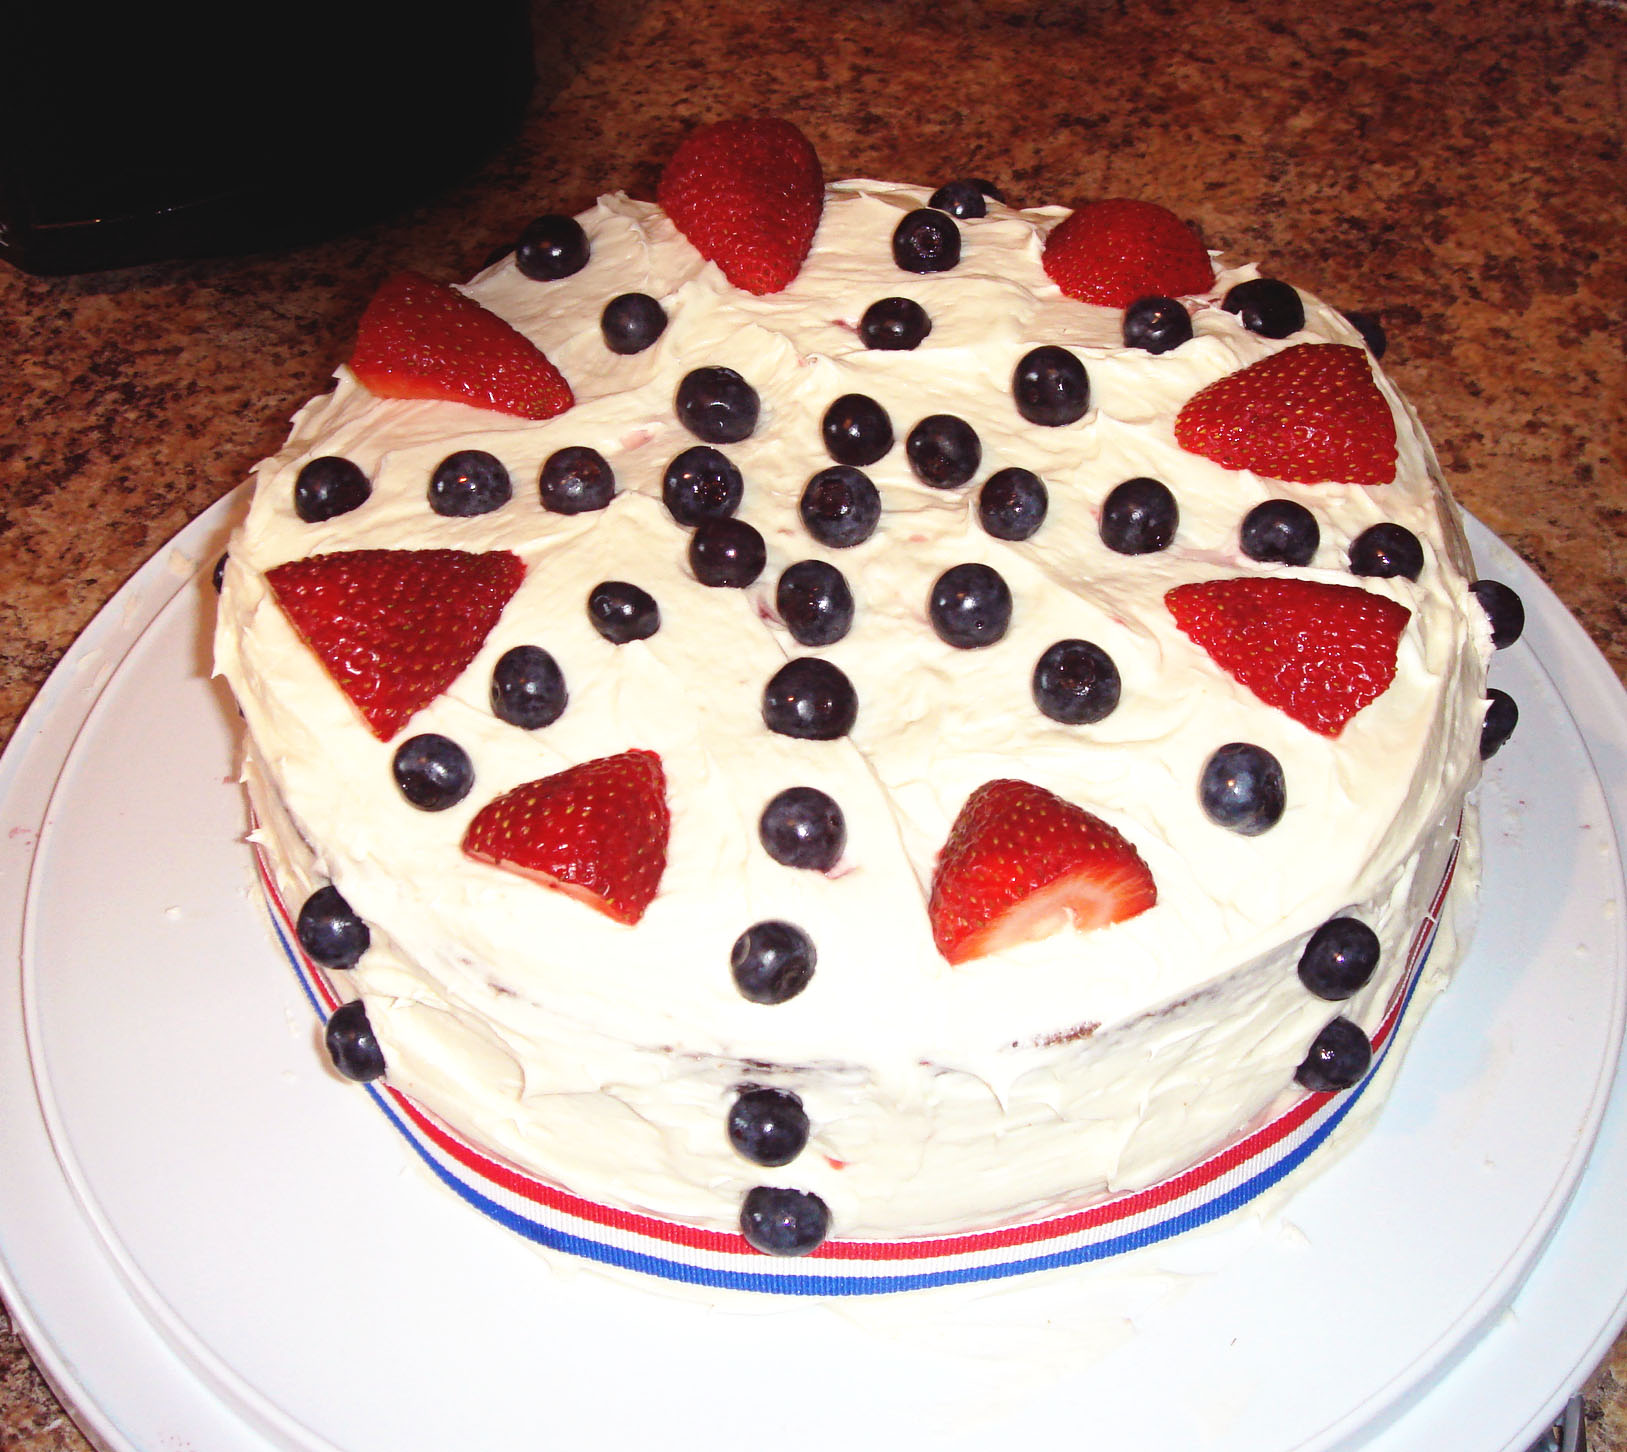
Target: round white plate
<point x="211" y="1241"/>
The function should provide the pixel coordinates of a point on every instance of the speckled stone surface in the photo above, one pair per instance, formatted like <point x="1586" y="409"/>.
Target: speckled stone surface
<point x="1458" y="166"/>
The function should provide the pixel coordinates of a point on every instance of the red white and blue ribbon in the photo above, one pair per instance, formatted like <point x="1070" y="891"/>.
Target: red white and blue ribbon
<point x="554" y="1218"/>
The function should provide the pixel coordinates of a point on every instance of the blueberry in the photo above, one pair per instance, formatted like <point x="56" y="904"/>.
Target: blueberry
<point x="1339" y="958"/>
<point x="814" y="602"/>
<point x="217" y="576"/>
<point x="926" y="241"/>
<point x="894" y="325"/>
<point x="1385" y="551"/>
<point x="768" y="1126"/>
<point x="1280" y="532"/>
<point x="1502" y="716"/>
<point x="943" y="451"/>
<point x="631" y="322"/>
<point x="1050" y="387"/>
<point x="328" y="487"/>
<point x="772" y="961"/>
<point x="1076" y="683"/>
<point x="856" y="430"/>
<point x="1156" y="324"/>
<point x="970" y="606"/>
<point x="717" y="405"/>
<point x="726" y="553"/>
<point x="1139" y="517"/>
<point x="1371" y="330"/>
<point x="810" y="699"/>
<point x="329" y="930"/>
<point x="1337" y="1059"/>
<point x="433" y="772"/>
<point x="783" y="1222"/>
<point x="1012" y="503"/>
<point x="527" y="688"/>
<point x="355" y="1052"/>
<point x="1505" y="611"/>
<point x="468" y="483"/>
<point x="1267" y="307"/>
<point x="1242" y="788"/>
<point x="803" y="827"/>
<point x="701" y="484"/>
<point x="576" y="480"/>
<point x="840" y="507"/>
<point x="551" y="247"/>
<point x="960" y="199"/>
<point x="621" y="612"/>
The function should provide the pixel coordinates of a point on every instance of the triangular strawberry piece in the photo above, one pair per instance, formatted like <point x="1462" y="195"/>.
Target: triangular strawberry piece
<point x="1114" y="251"/>
<point x="395" y="628"/>
<point x="1319" y="652"/>
<point x="420" y="338"/>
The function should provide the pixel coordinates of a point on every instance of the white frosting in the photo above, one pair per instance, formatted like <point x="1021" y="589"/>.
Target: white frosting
<point x="605" y="1057"/>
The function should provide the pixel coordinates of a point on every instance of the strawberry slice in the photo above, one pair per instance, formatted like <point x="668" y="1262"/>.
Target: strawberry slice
<point x="1022" y="863"/>
<point x="419" y="338"/>
<point x="747" y="193"/>
<point x="1311" y="414"/>
<point x="395" y="628"/>
<point x="1115" y="251"/>
<point x="597" y="832"/>
<point x="1320" y="652"/>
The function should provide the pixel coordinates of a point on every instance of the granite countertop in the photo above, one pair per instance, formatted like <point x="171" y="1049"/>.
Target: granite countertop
<point x="1457" y="166"/>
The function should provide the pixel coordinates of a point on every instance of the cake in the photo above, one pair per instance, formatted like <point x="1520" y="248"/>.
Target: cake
<point x="855" y="716"/>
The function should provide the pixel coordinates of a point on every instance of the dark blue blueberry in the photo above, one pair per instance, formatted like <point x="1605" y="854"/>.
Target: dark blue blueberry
<point x="772" y="961"/>
<point x="1339" y="959"/>
<point x="1012" y="503"/>
<point x="768" y="1126"/>
<point x="717" y="405"/>
<point x="1387" y="551"/>
<point x="1156" y="324"/>
<point x="329" y="930"/>
<point x="551" y="247"/>
<point x="1337" y="1059"/>
<point x="701" y="484"/>
<point x="1371" y="330"/>
<point x="1050" y="387"/>
<point x="988" y="188"/>
<point x="840" y="507"/>
<point x="726" y="553"/>
<point x="621" y="612"/>
<point x="468" y="483"/>
<point x="962" y="199"/>
<point x="1139" y="517"/>
<point x="1242" y="788"/>
<point x="434" y="773"/>
<point x="1505" y="611"/>
<point x="527" y="688"/>
<point x="783" y="1222"/>
<point x="926" y="241"/>
<point x="328" y="487"/>
<point x="810" y="699"/>
<point x="355" y="1052"/>
<point x="1280" y="532"/>
<point x="1265" y="306"/>
<point x="943" y="451"/>
<point x="217" y="576"/>
<point x="814" y="602"/>
<point x="1502" y="716"/>
<point x="970" y="606"/>
<point x="803" y="827"/>
<point x="856" y="430"/>
<point x="1076" y="683"/>
<point x="894" y="325"/>
<point x="576" y="480"/>
<point x="631" y="322"/>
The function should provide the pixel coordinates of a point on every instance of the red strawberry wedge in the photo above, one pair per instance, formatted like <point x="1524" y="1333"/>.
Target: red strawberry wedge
<point x="395" y="628"/>
<point x="1115" y="251"/>
<point x="1311" y="414"/>
<point x="597" y="831"/>
<point x="747" y="193"/>
<point x="420" y="338"/>
<point x="1021" y="863"/>
<point x="1320" y="652"/>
